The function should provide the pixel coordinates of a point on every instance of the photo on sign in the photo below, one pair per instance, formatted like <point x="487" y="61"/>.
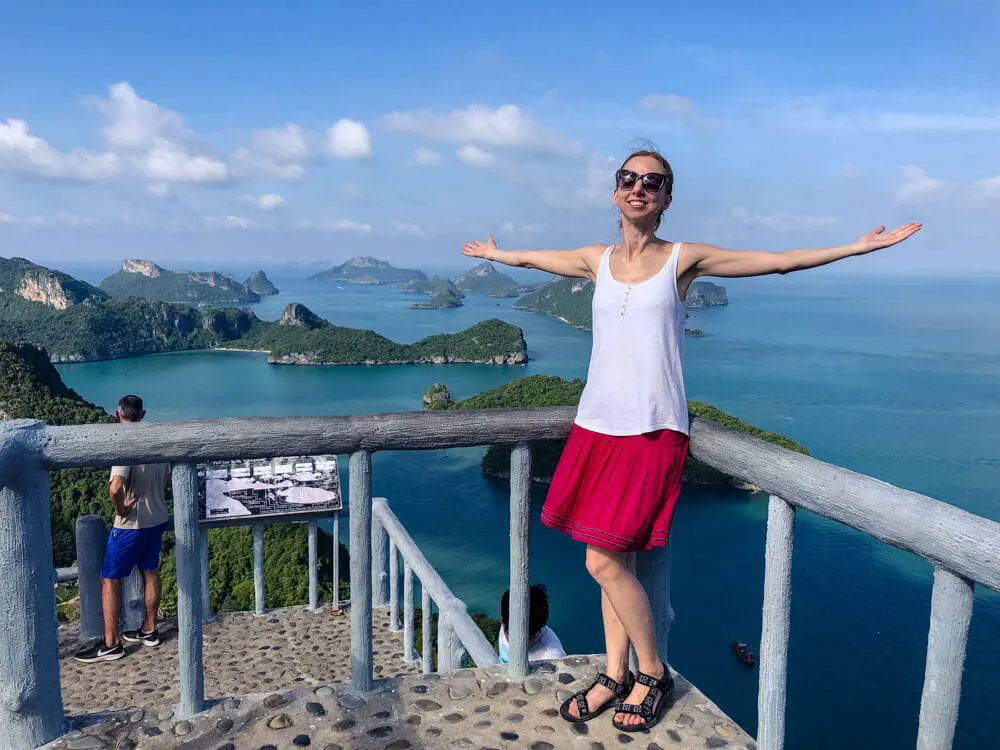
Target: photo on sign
<point x="262" y="487"/>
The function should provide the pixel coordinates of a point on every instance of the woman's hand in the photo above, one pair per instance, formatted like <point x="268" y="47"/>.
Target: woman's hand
<point x="477" y="249"/>
<point x="879" y="238"/>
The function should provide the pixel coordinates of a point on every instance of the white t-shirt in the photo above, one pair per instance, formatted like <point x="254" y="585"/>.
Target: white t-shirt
<point x="546" y="645"/>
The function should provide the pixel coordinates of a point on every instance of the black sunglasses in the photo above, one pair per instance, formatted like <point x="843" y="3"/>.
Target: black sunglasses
<point x="652" y="181"/>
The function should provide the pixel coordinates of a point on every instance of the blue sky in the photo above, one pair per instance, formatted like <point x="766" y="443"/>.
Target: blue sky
<point x="217" y="132"/>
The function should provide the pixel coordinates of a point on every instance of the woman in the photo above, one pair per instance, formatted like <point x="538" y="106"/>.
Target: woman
<point x="620" y="474"/>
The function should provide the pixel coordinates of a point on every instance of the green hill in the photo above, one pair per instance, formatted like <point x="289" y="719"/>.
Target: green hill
<point x="143" y="278"/>
<point x="368" y="270"/>
<point x="444" y="299"/>
<point x="544" y="390"/>
<point x="434" y="285"/>
<point x="35" y="283"/>
<point x="485" y="279"/>
<point x="259" y="284"/>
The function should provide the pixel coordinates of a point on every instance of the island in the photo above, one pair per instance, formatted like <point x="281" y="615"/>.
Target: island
<point x="434" y="285"/>
<point x="545" y="390"/>
<point x="570" y="301"/>
<point x="370" y="271"/>
<point x="259" y="284"/>
<point x="131" y="326"/>
<point x="442" y="300"/>
<point x="485" y="279"/>
<point x="145" y="279"/>
<point x="52" y="288"/>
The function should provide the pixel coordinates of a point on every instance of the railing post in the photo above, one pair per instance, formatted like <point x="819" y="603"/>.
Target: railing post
<point x="91" y="540"/>
<point x="520" y="528"/>
<point x="361" y="570"/>
<point x="380" y="555"/>
<point x="335" y="603"/>
<point x="206" y="591"/>
<point x="31" y="708"/>
<point x="393" y="587"/>
<point x="133" y="600"/>
<point x="313" y="582"/>
<point x="409" y="651"/>
<point x="426" y="663"/>
<point x="951" y="612"/>
<point x="775" y="625"/>
<point x="451" y="654"/>
<point x="189" y="615"/>
<point x="258" y="567"/>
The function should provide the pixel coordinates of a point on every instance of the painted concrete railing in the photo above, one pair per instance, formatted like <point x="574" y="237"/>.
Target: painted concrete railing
<point x="964" y="548"/>
<point x="91" y="536"/>
<point x="457" y="632"/>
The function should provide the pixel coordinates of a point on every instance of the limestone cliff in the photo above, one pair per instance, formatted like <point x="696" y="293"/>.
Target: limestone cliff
<point x="143" y="278"/>
<point x="40" y="284"/>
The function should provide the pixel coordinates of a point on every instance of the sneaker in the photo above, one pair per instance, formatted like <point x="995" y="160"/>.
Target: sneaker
<point x="146" y="639"/>
<point x="100" y="652"/>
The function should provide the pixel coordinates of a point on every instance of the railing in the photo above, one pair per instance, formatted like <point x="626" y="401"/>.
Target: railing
<point x="457" y="632"/>
<point x="964" y="548"/>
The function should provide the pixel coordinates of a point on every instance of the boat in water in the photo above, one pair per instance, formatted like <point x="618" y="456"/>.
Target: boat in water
<point x="743" y="653"/>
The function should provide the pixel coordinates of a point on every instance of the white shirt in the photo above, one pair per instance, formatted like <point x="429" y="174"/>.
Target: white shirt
<point x="635" y="382"/>
<point x="545" y="645"/>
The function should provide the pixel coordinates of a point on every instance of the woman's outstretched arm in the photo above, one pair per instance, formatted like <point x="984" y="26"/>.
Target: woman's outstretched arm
<point x="579" y="263"/>
<point x="708" y="260"/>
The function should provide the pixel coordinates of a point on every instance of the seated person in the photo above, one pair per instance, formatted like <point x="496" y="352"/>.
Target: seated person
<point x="543" y="643"/>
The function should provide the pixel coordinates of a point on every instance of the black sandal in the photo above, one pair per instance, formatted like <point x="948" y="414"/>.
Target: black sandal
<point x="580" y="698"/>
<point x="651" y="708"/>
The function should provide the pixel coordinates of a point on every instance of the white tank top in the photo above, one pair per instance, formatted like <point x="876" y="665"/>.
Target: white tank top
<point x="635" y="383"/>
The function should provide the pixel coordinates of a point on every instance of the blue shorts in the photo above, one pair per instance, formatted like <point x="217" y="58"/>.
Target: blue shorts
<point x="130" y="547"/>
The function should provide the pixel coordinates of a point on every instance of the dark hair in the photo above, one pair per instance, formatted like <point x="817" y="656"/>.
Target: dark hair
<point x="651" y="151"/>
<point x="538" y="609"/>
<point x="130" y="407"/>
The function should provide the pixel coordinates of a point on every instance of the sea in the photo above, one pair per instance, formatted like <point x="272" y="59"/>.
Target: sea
<point x="898" y="378"/>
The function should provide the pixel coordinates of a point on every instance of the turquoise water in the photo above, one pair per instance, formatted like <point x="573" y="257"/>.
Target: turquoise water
<point x="894" y="378"/>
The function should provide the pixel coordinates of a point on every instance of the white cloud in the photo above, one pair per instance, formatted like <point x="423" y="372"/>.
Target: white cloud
<point x="21" y="151"/>
<point x="226" y="222"/>
<point x="155" y="140"/>
<point x="780" y="222"/>
<point x="474" y="156"/>
<point x="531" y="227"/>
<point x="74" y="220"/>
<point x="349" y="139"/>
<point x="424" y="157"/>
<point x="31" y="221"/>
<point x="918" y="187"/>
<point x="885" y="114"/>
<point x="6" y="218"/>
<point x="346" y="225"/>
<point x="170" y="162"/>
<point x="403" y="227"/>
<point x="671" y="104"/>
<point x="506" y="126"/>
<point x="159" y="190"/>
<point x="595" y="182"/>
<point x="287" y="144"/>
<point x="267" y="201"/>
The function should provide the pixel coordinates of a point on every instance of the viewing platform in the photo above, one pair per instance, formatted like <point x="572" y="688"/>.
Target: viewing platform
<point x="282" y="677"/>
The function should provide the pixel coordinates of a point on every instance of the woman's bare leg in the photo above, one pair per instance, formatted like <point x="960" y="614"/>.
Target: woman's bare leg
<point x="631" y="605"/>
<point x="616" y="645"/>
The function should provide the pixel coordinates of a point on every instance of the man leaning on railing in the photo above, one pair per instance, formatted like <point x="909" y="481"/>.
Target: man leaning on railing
<point x="138" y="496"/>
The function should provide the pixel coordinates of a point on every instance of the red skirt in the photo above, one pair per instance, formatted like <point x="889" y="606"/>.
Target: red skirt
<point x="617" y="492"/>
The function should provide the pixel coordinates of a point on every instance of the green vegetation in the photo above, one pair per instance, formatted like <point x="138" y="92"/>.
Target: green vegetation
<point x="30" y="388"/>
<point x="319" y="342"/>
<point x="37" y="283"/>
<point x="545" y="390"/>
<point x="368" y="270"/>
<point x="258" y="283"/>
<point x="570" y="300"/>
<point x="485" y="279"/>
<point x="434" y="285"/>
<point x="443" y="299"/>
<point x="142" y="278"/>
